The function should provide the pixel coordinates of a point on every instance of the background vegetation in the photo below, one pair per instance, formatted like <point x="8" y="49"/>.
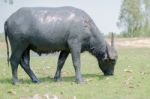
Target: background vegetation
<point x="134" y="18"/>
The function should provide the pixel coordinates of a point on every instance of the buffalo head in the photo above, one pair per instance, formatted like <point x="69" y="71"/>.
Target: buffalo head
<point x="107" y="63"/>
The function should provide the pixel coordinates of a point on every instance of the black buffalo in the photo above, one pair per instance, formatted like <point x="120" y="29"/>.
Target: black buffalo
<point x="64" y="29"/>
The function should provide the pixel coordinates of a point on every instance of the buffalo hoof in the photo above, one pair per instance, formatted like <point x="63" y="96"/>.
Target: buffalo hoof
<point x="57" y="79"/>
<point x="36" y="81"/>
<point x="80" y="81"/>
<point x="108" y="74"/>
<point x="17" y="82"/>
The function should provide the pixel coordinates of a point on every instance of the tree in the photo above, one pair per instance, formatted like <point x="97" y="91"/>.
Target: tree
<point x="131" y="18"/>
<point x="146" y="14"/>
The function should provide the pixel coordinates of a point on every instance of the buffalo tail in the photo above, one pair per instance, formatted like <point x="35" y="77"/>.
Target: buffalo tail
<point x="6" y="40"/>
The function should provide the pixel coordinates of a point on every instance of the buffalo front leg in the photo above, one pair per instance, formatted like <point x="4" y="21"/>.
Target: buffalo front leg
<point x="25" y="64"/>
<point x="75" y="48"/>
<point x="61" y="60"/>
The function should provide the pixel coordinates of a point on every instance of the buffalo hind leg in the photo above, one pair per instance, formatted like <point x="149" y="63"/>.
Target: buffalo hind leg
<point x="75" y="48"/>
<point x="25" y="64"/>
<point x="61" y="60"/>
<point x="14" y="61"/>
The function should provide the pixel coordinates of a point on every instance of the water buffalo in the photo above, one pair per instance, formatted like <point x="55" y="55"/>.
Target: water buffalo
<point x="64" y="29"/>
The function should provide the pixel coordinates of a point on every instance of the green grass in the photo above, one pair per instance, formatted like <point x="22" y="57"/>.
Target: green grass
<point x="131" y="79"/>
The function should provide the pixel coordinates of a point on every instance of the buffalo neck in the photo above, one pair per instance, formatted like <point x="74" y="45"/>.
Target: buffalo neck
<point x="98" y="47"/>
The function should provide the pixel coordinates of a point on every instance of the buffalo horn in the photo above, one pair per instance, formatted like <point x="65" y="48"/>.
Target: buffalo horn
<point x="112" y="40"/>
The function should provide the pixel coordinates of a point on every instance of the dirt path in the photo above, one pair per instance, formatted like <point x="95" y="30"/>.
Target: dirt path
<point x="119" y="42"/>
<point x="132" y="42"/>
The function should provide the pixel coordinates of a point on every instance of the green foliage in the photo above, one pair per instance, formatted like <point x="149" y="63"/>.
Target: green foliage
<point x="135" y="18"/>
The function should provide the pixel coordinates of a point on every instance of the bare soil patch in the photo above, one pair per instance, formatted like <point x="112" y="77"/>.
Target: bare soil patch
<point x="132" y="42"/>
<point x="119" y="42"/>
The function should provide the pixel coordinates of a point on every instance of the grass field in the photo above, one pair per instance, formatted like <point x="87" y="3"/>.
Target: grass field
<point x="131" y="79"/>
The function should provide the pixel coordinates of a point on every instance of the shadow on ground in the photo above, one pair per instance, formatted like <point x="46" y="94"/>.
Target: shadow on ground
<point x="51" y="80"/>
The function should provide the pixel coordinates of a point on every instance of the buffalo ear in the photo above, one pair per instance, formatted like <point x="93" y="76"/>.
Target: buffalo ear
<point x="111" y="52"/>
